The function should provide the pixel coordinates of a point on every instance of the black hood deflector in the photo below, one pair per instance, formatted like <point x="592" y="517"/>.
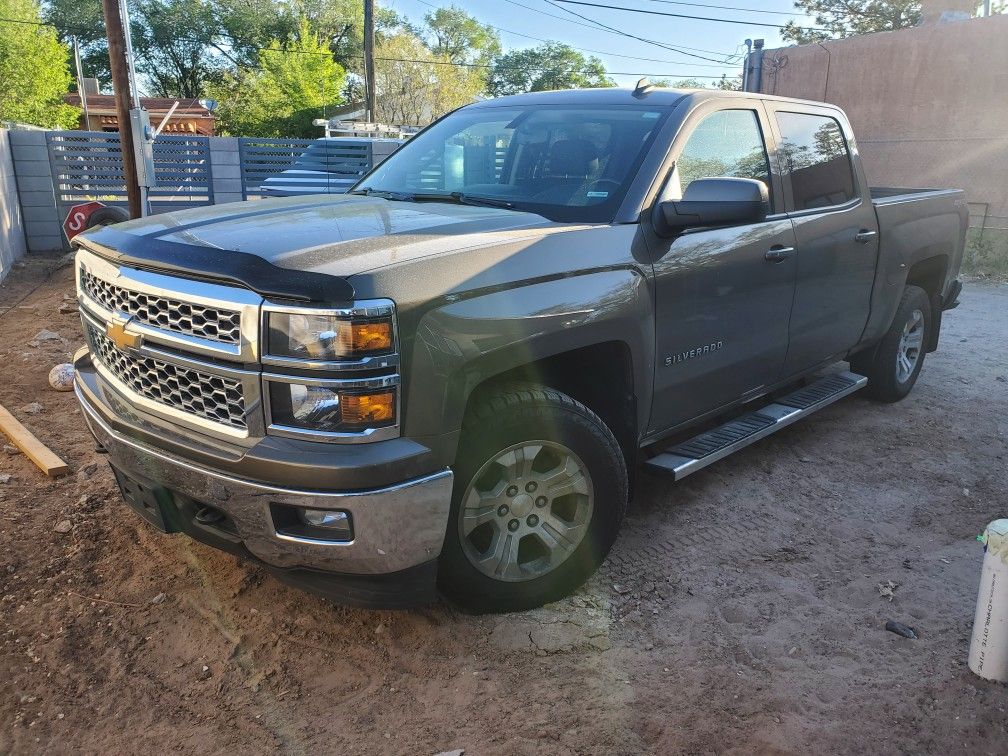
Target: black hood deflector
<point x="217" y="265"/>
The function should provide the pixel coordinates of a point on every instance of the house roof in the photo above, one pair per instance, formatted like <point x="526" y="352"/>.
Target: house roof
<point x="187" y="107"/>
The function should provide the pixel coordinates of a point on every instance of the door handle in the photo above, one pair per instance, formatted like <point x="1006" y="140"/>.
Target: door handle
<point x="864" y="236"/>
<point x="779" y="254"/>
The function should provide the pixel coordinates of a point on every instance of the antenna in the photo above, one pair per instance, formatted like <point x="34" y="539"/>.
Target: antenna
<point x="643" y="87"/>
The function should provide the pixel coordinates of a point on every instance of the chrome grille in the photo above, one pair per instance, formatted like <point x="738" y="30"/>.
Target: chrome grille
<point x="168" y="314"/>
<point x="208" y="396"/>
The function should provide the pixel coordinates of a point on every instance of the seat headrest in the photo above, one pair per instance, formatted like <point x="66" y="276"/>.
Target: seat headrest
<point x="571" y="158"/>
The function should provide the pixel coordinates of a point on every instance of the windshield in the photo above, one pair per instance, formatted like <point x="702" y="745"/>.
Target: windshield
<point x="567" y="164"/>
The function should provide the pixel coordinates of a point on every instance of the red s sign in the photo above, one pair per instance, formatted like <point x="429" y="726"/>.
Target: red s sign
<point x="77" y="219"/>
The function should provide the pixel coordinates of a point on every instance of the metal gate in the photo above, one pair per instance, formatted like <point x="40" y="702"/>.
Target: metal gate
<point x="87" y="166"/>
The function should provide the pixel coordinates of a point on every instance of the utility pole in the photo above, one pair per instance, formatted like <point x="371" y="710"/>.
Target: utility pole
<point x="745" y="66"/>
<point x="121" y="86"/>
<point x="369" y="73"/>
<point x="80" y="83"/>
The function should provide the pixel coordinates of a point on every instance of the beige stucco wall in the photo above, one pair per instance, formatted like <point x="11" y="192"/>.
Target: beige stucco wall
<point x="929" y="105"/>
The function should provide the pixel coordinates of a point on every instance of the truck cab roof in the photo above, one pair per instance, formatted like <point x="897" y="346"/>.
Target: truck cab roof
<point x="610" y="96"/>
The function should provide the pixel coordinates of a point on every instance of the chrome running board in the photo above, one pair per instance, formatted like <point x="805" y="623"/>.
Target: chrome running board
<point x="710" y="446"/>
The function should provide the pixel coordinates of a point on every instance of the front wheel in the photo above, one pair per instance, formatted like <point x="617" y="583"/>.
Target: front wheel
<point x="893" y="366"/>
<point x="540" y="490"/>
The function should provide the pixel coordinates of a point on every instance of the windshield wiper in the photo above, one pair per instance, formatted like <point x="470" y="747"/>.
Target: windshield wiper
<point x="385" y="194"/>
<point x="464" y="199"/>
<point x="457" y="197"/>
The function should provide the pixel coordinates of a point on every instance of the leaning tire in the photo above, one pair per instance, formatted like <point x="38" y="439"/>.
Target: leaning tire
<point x="893" y="366"/>
<point x="107" y="216"/>
<point x="540" y="491"/>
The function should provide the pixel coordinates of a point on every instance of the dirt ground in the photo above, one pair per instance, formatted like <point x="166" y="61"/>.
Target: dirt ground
<point x="739" y="611"/>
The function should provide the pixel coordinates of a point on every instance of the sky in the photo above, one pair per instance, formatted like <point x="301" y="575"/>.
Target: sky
<point x="632" y="58"/>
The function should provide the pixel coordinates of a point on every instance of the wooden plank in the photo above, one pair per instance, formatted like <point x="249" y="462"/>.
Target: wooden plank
<point x="34" y="449"/>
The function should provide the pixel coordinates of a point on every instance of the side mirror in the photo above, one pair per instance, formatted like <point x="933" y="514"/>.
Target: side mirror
<point x="714" y="202"/>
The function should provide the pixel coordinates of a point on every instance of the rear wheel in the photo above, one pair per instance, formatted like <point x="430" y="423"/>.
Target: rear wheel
<point x="893" y="366"/>
<point x="540" y="490"/>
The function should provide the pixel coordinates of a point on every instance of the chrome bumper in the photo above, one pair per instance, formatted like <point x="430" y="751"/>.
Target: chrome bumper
<point x="395" y="528"/>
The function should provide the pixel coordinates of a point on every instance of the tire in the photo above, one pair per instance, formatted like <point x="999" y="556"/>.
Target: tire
<point x="532" y="463"/>
<point x="107" y="216"/>
<point x="893" y="365"/>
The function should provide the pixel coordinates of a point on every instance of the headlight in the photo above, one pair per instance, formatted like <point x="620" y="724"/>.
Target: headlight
<point x="328" y="338"/>
<point x="332" y="407"/>
<point x="331" y="373"/>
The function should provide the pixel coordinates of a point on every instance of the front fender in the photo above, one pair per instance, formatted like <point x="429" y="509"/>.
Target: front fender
<point x="462" y="344"/>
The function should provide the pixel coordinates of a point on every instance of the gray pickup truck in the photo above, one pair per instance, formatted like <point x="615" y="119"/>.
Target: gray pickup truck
<point x="450" y="377"/>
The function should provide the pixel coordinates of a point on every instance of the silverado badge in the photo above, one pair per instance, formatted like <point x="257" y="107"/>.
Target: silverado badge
<point x="119" y="334"/>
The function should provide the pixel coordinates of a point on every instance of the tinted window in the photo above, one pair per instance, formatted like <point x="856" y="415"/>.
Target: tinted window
<point x="725" y="143"/>
<point x="813" y="150"/>
<point x="568" y="164"/>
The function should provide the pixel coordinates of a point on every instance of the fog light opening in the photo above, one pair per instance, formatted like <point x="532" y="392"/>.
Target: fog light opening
<point x="304" y="523"/>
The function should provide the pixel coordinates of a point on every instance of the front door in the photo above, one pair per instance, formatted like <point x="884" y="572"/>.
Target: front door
<point x="837" y="234"/>
<point x="722" y="303"/>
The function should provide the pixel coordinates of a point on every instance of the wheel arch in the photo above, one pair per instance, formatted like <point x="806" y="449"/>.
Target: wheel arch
<point x="929" y="274"/>
<point x="590" y="336"/>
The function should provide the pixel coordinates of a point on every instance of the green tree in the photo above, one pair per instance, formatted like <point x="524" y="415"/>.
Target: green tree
<point x="173" y="40"/>
<point x="414" y="85"/>
<point x="454" y="35"/>
<point x="290" y="87"/>
<point x="179" y="44"/>
<point x="551" y="65"/>
<point x="686" y="84"/>
<point x="34" y="74"/>
<point x="849" y="18"/>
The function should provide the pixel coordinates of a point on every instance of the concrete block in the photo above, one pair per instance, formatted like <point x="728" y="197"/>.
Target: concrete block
<point x="224" y="143"/>
<point x="31" y="152"/>
<point x="47" y="243"/>
<point x="225" y="170"/>
<point x="223" y="198"/>
<point x="35" y="184"/>
<point x="36" y="199"/>
<point x="31" y="168"/>
<point x="224" y="157"/>
<point x="19" y="138"/>
<point x="226" y="186"/>
<point x="42" y="227"/>
<point x="40" y="214"/>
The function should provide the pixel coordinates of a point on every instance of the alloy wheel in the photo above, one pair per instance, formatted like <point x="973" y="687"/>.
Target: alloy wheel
<point x="910" y="346"/>
<point x="526" y="511"/>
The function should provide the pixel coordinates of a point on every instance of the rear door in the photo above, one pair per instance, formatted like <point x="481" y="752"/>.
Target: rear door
<point x="835" y="228"/>
<point x="722" y="303"/>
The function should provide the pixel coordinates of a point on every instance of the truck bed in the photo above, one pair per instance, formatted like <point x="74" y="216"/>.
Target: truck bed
<point x="890" y="194"/>
<point x="915" y="225"/>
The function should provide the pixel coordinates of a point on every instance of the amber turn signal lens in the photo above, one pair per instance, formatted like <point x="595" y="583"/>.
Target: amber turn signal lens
<point x="365" y="338"/>
<point x="367" y="409"/>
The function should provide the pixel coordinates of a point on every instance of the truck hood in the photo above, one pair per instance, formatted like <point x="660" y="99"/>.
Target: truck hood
<point x="333" y="235"/>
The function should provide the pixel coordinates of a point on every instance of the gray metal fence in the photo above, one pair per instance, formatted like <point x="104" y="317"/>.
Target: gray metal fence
<point x="262" y="157"/>
<point x="87" y="165"/>
<point x="55" y="170"/>
<point x="326" y="165"/>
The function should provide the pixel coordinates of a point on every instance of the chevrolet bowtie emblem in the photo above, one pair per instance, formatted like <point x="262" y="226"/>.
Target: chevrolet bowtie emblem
<point x="119" y="334"/>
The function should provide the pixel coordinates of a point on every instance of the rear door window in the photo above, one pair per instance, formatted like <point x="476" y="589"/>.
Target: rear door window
<point x="814" y="152"/>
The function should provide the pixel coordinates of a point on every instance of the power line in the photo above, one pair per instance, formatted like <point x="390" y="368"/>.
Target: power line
<point x="729" y="7"/>
<point x="413" y="60"/>
<point x="590" y="50"/>
<point x="679" y="15"/>
<point x="632" y="36"/>
<point x="595" y="25"/>
<point x="577" y="70"/>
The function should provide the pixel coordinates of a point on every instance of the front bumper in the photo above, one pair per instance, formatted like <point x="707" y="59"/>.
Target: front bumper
<point x="398" y="528"/>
